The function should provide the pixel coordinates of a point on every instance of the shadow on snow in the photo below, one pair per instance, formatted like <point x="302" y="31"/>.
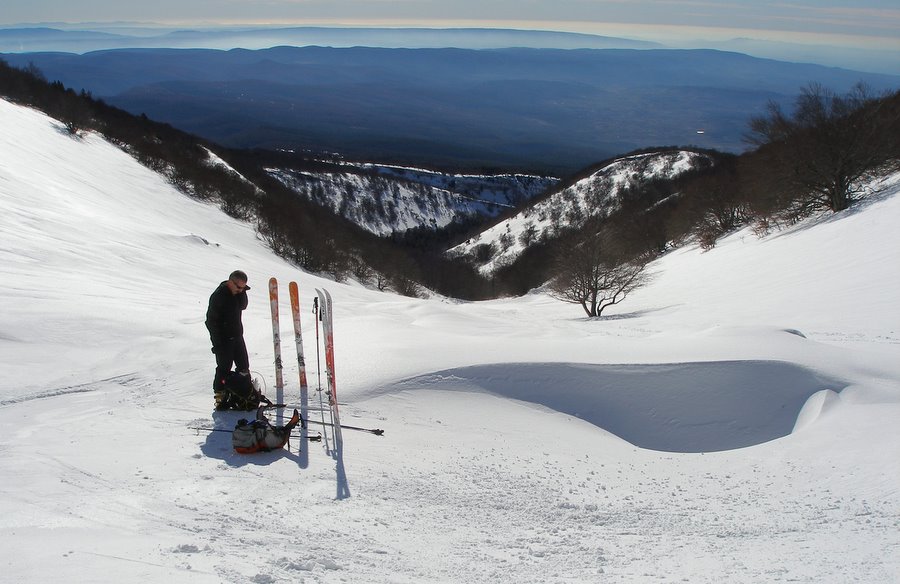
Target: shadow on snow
<point x="218" y="444"/>
<point x="682" y="407"/>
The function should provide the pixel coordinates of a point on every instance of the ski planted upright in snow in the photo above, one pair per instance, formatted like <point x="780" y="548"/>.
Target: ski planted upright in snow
<point x="298" y="337"/>
<point x="326" y="316"/>
<point x="276" y="337"/>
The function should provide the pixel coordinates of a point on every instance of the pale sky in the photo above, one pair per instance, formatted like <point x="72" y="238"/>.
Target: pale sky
<point x="863" y="23"/>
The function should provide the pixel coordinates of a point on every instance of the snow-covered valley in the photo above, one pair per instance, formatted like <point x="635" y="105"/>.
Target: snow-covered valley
<point x="734" y="421"/>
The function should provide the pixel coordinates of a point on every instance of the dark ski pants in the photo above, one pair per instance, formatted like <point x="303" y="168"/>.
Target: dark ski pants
<point x="233" y="352"/>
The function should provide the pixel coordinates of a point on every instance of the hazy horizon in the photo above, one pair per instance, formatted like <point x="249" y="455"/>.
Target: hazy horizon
<point x="863" y="24"/>
<point x="857" y="52"/>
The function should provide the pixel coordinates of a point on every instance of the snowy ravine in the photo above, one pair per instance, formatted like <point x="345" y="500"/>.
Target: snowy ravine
<point x="389" y="199"/>
<point x="735" y="421"/>
<point x="596" y="195"/>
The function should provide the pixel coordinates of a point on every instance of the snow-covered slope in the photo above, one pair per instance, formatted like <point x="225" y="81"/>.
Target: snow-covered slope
<point x="500" y="190"/>
<point x="388" y="199"/>
<point x="736" y="421"/>
<point x="598" y="194"/>
<point x="376" y="204"/>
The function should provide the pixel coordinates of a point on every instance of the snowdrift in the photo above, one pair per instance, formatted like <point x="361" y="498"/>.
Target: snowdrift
<point x="683" y="407"/>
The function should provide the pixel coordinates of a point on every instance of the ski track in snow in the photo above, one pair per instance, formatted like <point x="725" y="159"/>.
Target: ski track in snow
<point x="742" y="430"/>
<point x="56" y="392"/>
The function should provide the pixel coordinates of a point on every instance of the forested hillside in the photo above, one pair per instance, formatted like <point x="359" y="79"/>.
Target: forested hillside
<point x="326" y="215"/>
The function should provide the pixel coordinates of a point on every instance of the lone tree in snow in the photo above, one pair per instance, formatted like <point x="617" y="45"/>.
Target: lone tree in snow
<point x="590" y="273"/>
<point x="829" y="145"/>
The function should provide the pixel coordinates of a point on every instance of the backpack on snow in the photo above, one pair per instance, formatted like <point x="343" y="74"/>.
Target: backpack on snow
<point x="260" y="435"/>
<point x="240" y="393"/>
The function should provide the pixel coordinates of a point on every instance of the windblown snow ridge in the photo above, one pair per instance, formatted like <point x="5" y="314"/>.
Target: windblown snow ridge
<point x="680" y="407"/>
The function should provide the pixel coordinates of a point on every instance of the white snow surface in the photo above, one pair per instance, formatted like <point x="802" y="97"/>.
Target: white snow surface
<point x="734" y="421"/>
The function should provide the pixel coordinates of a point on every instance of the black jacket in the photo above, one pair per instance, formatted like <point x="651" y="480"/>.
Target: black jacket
<point x="223" y="318"/>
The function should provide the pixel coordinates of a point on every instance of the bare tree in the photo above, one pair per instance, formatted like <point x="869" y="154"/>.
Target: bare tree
<point x="829" y="145"/>
<point x="590" y="274"/>
<point x="405" y="286"/>
<point x="381" y="281"/>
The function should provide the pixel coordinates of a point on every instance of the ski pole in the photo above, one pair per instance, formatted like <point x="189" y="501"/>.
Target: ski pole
<point x="318" y="360"/>
<point x="290" y="406"/>
<point x="316" y="438"/>
<point x="376" y="431"/>
<point x="318" y="317"/>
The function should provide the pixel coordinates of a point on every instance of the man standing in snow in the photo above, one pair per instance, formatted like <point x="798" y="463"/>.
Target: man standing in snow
<point x="223" y="320"/>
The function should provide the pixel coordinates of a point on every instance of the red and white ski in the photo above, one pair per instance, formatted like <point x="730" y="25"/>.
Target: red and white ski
<point x="326" y="316"/>
<point x="276" y="338"/>
<point x="298" y="337"/>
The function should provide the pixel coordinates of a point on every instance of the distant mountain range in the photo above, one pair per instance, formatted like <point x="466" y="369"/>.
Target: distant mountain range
<point x="543" y="111"/>
<point x="86" y="37"/>
<point x="43" y="38"/>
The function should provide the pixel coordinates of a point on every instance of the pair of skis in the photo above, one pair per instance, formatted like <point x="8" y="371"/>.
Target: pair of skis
<point x="276" y="337"/>
<point x="323" y="310"/>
